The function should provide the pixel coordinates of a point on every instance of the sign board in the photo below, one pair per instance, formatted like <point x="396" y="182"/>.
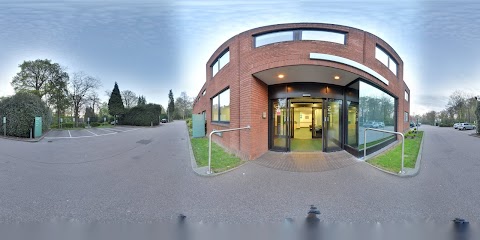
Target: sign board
<point x="4" y="120"/>
<point x="38" y="127"/>
<point x="61" y="120"/>
<point x="88" y="119"/>
<point x="104" y="119"/>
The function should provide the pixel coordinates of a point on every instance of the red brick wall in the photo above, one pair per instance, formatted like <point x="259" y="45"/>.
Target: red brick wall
<point x="249" y="96"/>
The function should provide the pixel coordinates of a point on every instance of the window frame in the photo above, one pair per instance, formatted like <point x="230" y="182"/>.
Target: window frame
<point x="406" y="117"/>
<point x="407" y="96"/>
<point x="389" y="60"/>
<point x="297" y="35"/>
<point x="218" y="113"/>
<point x="217" y="62"/>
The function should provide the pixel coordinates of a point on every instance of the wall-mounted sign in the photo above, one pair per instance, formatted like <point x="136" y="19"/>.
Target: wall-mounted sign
<point x="306" y="95"/>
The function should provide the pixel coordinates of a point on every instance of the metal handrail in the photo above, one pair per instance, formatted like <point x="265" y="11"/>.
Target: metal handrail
<point x="386" y="131"/>
<point x="209" y="171"/>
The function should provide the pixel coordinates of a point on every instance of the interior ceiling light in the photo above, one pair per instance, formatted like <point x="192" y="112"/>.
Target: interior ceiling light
<point x="281" y="76"/>
<point x="336" y="77"/>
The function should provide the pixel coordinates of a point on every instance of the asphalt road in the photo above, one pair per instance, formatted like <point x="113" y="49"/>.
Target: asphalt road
<point x="146" y="176"/>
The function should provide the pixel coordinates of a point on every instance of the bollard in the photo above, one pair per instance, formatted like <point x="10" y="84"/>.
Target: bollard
<point x="30" y="133"/>
<point x="151" y="124"/>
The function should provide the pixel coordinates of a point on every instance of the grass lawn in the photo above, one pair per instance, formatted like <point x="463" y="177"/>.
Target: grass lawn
<point x="392" y="159"/>
<point x="221" y="160"/>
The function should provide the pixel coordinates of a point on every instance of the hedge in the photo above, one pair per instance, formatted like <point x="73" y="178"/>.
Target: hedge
<point x="143" y="115"/>
<point x="21" y="110"/>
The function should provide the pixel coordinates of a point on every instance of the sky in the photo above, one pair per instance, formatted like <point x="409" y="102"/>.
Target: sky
<point x="150" y="47"/>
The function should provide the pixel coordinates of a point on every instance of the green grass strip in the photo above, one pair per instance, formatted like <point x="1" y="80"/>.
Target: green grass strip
<point x="221" y="160"/>
<point x="391" y="160"/>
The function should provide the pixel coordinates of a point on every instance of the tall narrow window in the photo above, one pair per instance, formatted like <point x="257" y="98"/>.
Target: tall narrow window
<point x="221" y="107"/>
<point x="406" y="117"/>
<point x="407" y="97"/>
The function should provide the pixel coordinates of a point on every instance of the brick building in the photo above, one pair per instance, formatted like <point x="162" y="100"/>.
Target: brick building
<point x="304" y="87"/>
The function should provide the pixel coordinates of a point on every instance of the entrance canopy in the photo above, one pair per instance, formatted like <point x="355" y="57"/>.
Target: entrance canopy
<point x="306" y="73"/>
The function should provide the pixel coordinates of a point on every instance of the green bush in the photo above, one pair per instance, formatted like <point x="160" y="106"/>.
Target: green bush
<point x="143" y="115"/>
<point x="94" y="124"/>
<point x="21" y="110"/>
<point x="189" y="126"/>
<point x="67" y="125"/>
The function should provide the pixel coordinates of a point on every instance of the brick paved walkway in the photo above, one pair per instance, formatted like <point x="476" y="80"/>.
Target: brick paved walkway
<point x="306" y="161"/>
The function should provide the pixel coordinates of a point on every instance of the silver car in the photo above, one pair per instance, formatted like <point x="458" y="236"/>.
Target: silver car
<point x="456" y="125"/>
<point x="466" y="126"/>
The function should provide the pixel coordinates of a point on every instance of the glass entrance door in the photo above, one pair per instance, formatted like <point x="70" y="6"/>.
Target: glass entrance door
<point x="279" y="125"/>
<point x="333" y="123"/>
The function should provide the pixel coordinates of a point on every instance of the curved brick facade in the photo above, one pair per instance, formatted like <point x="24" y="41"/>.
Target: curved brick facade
<point x="249" y="95"/>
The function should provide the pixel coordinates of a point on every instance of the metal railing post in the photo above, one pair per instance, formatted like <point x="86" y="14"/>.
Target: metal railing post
<point x="209" y="170"/>
<point x="402" y="171"/>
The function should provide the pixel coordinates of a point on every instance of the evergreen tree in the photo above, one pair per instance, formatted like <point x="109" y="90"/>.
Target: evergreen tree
<point x="141" y="100"/>
<point x="171" y="105"/>
<point x="115" y="103"/>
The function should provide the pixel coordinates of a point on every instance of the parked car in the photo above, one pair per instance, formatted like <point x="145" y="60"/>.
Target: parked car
<point x="371" y="124"/>
<point x="456" y="125"/>
<point x="381" y="124"/>
<point x="466" y="126"/>
<point x="164" y="120"/>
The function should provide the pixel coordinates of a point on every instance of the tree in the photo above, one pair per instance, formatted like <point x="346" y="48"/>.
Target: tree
<point x="94" y="100"/>
<point x="129" y="98"/>
<point x="58" y="94"/>
<point x="141" y="100"/>
<point x="81" y="86"/>
<point x="35" y="75"/>
<point x="183" y="105"/>
<point x="171" y="105"/>
<point x="103" y="111"/>
<point x="115" y="103"/>
<point x="429" y="117"/>
<point x="90" y="114"/>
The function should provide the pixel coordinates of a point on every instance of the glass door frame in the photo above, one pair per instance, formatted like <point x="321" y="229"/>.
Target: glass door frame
<point x="271" y="127"/>
<point x="326" y="119"/>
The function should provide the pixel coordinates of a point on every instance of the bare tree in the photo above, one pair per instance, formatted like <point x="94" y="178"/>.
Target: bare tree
<point x="129" y="98"/>
<point x="81" y="86"/>
<point x="94" y="100"/>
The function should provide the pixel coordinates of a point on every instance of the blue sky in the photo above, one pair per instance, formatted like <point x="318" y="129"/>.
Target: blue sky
<point x="150" y="47"/>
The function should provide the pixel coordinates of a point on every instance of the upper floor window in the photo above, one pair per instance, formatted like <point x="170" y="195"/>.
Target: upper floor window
<point x="406" y="96"/>
<point x="221" y="61"/>
<point x="405" y="117"/>
<point x="297" y="35"/>
<point x="273" y="37"/>
<point x="323" y="36"/>
<point x="386" y="59"/>
<point x="204" y="92"/>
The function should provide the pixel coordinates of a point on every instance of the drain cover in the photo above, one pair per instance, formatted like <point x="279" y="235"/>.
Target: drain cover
<point x="144" y="141"/>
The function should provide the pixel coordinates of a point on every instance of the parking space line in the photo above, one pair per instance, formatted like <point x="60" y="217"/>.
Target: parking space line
<point x="69" y="133"/>
<point x="91" y="132"/>
<point x="105" y="130"/>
